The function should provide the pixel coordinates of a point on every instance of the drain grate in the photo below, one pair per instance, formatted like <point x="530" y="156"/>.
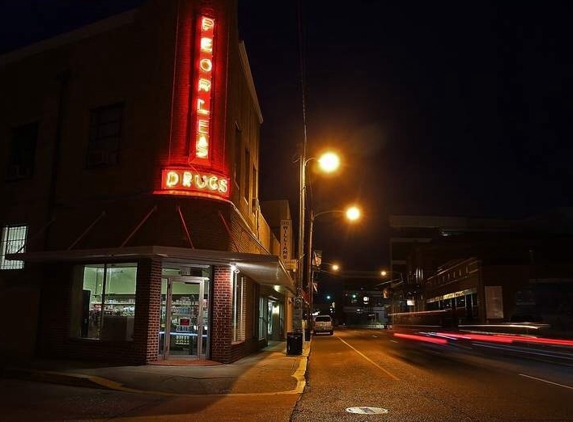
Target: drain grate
<point x="363" y="410"/>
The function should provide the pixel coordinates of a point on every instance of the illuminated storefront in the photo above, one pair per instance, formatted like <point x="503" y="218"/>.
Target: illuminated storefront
<point x="153" y="248"/>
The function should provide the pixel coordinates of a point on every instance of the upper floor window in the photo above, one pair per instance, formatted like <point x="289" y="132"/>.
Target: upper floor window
<point x="237" y="161"/>
<point x="22" y="152"/>
<point x="255" y="202"/>
<point x="247" y="175"/>
<point x="13" y="241"/>
<point x="105" y="134"/>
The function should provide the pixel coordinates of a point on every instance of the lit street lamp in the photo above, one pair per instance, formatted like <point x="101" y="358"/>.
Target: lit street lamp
<point x="333" y="267"/>
<point x="352" y="214"/>
<point x="317" y="267"/>
<point x="383" y="273"/>
<point x="328" y="162"/>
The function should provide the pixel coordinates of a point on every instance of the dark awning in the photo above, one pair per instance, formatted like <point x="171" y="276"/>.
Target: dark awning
<point x="263" y="269"/>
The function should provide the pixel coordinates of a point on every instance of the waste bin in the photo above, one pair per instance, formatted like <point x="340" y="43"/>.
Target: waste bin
<point x="307" y="334"/>
<point x="294" y="343"/>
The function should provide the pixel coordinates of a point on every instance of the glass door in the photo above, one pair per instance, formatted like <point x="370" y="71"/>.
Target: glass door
<point x="184" y="318"/>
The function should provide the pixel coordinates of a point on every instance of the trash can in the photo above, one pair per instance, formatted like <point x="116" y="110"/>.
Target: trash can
<point x="294" y="343"/>
<point x="307" y="334"/>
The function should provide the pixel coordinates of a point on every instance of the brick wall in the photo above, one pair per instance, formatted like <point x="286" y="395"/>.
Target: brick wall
<point x="147" y="311"/>
<point x="54" y="310"/>
<point x="221" y="336"/>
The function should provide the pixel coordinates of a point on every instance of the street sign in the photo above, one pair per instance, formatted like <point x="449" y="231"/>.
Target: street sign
<point x="290" y="264"/>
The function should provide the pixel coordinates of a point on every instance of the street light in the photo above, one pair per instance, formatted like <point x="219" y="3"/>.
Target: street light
<point x="383" y="273"/>
<point x="328" y="162"/>
<point x="352" y="213"/>
<point x="318" y="268"/>
<point x="333" y="267"/>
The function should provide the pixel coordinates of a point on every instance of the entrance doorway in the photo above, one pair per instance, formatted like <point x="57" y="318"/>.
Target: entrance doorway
<point x="184" y="317"/>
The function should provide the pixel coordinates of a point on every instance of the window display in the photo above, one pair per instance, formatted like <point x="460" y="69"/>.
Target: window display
<point x="106" y="305"/>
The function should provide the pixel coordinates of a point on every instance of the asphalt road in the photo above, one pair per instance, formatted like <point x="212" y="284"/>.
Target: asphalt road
<point x="371" y="372"/>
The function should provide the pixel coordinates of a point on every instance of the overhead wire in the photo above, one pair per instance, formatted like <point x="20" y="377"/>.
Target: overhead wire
<point x="303" y="82"/>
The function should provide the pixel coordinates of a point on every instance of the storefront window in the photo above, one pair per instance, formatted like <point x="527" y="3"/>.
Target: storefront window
<point x="263" y="318"/>
<point x="238" y="308"/>
<point x="103" y="302"/>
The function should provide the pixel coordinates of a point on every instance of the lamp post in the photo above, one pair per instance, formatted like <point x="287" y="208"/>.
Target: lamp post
<point x="334" y="269"/>
<point x="328" y="162"/>
<point x="383" y="273"/>
<point x="352" y="214"/>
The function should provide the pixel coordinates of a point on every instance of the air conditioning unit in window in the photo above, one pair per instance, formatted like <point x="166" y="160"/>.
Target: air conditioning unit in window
<point x="17" y="172"/>
<point x="97" y="158"/>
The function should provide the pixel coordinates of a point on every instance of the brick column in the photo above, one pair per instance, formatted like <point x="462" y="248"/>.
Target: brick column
<point x="221" y="337"/>
<point x="147" y="310"/>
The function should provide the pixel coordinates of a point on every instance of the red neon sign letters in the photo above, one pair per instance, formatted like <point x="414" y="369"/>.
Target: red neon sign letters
<point x="204" y="69"/>
<point x="198" y="178"/>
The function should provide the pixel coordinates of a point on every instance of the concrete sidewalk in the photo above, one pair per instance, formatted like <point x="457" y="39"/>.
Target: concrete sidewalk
<point x="268" y="372"/>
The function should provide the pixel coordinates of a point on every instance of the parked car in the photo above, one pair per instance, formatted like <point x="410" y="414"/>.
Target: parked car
<point x="323" y="324"/>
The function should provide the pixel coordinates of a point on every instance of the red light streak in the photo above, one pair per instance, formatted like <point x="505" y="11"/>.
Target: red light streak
<point x="508" y="339"/>
<point x="421" y="338"/>
<point x="549" y="341"/>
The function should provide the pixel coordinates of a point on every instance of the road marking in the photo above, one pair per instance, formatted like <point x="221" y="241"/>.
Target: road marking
<point x="367" y="410"/>
<point x="391" y="375"/>
<point x="546" y="381"/>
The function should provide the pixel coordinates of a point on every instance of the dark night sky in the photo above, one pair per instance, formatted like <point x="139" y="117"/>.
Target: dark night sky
<point x="438" y="108"/>
<point x="441" y="108"/>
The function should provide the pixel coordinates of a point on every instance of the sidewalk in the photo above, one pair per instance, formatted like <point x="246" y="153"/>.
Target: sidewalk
<point x="268" y="372"/>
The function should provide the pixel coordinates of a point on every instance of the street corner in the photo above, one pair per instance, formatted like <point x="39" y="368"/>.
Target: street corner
<point x="59" y="377"/>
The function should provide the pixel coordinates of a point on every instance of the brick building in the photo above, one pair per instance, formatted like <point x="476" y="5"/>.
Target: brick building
<point x="131" y="223"/>
<point x="485" y="270"/>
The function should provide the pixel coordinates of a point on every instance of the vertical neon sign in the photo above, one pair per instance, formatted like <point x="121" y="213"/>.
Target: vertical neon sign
<point x="200" y="176"/>
<point x="202" y="91"/>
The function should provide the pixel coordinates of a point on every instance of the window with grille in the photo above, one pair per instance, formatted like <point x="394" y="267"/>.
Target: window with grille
<point x="105" y="134"/>
<point x="13" y="241"/>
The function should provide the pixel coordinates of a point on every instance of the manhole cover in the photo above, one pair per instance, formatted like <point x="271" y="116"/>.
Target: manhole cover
<point x="366" y="410"/>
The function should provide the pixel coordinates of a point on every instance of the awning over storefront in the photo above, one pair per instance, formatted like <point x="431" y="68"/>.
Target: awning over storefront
<point x="263" y="269"/>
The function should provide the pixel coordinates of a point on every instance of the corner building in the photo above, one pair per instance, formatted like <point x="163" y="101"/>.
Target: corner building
<point x="131" y="225"/>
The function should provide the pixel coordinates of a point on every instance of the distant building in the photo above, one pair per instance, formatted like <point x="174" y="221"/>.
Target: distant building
<point x="131" y="225"/>
<point x="363" y="300"/>
<point x="487" y="270"/>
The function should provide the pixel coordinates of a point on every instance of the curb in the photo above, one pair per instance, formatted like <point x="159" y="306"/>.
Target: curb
<point x="93" y="381"/>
